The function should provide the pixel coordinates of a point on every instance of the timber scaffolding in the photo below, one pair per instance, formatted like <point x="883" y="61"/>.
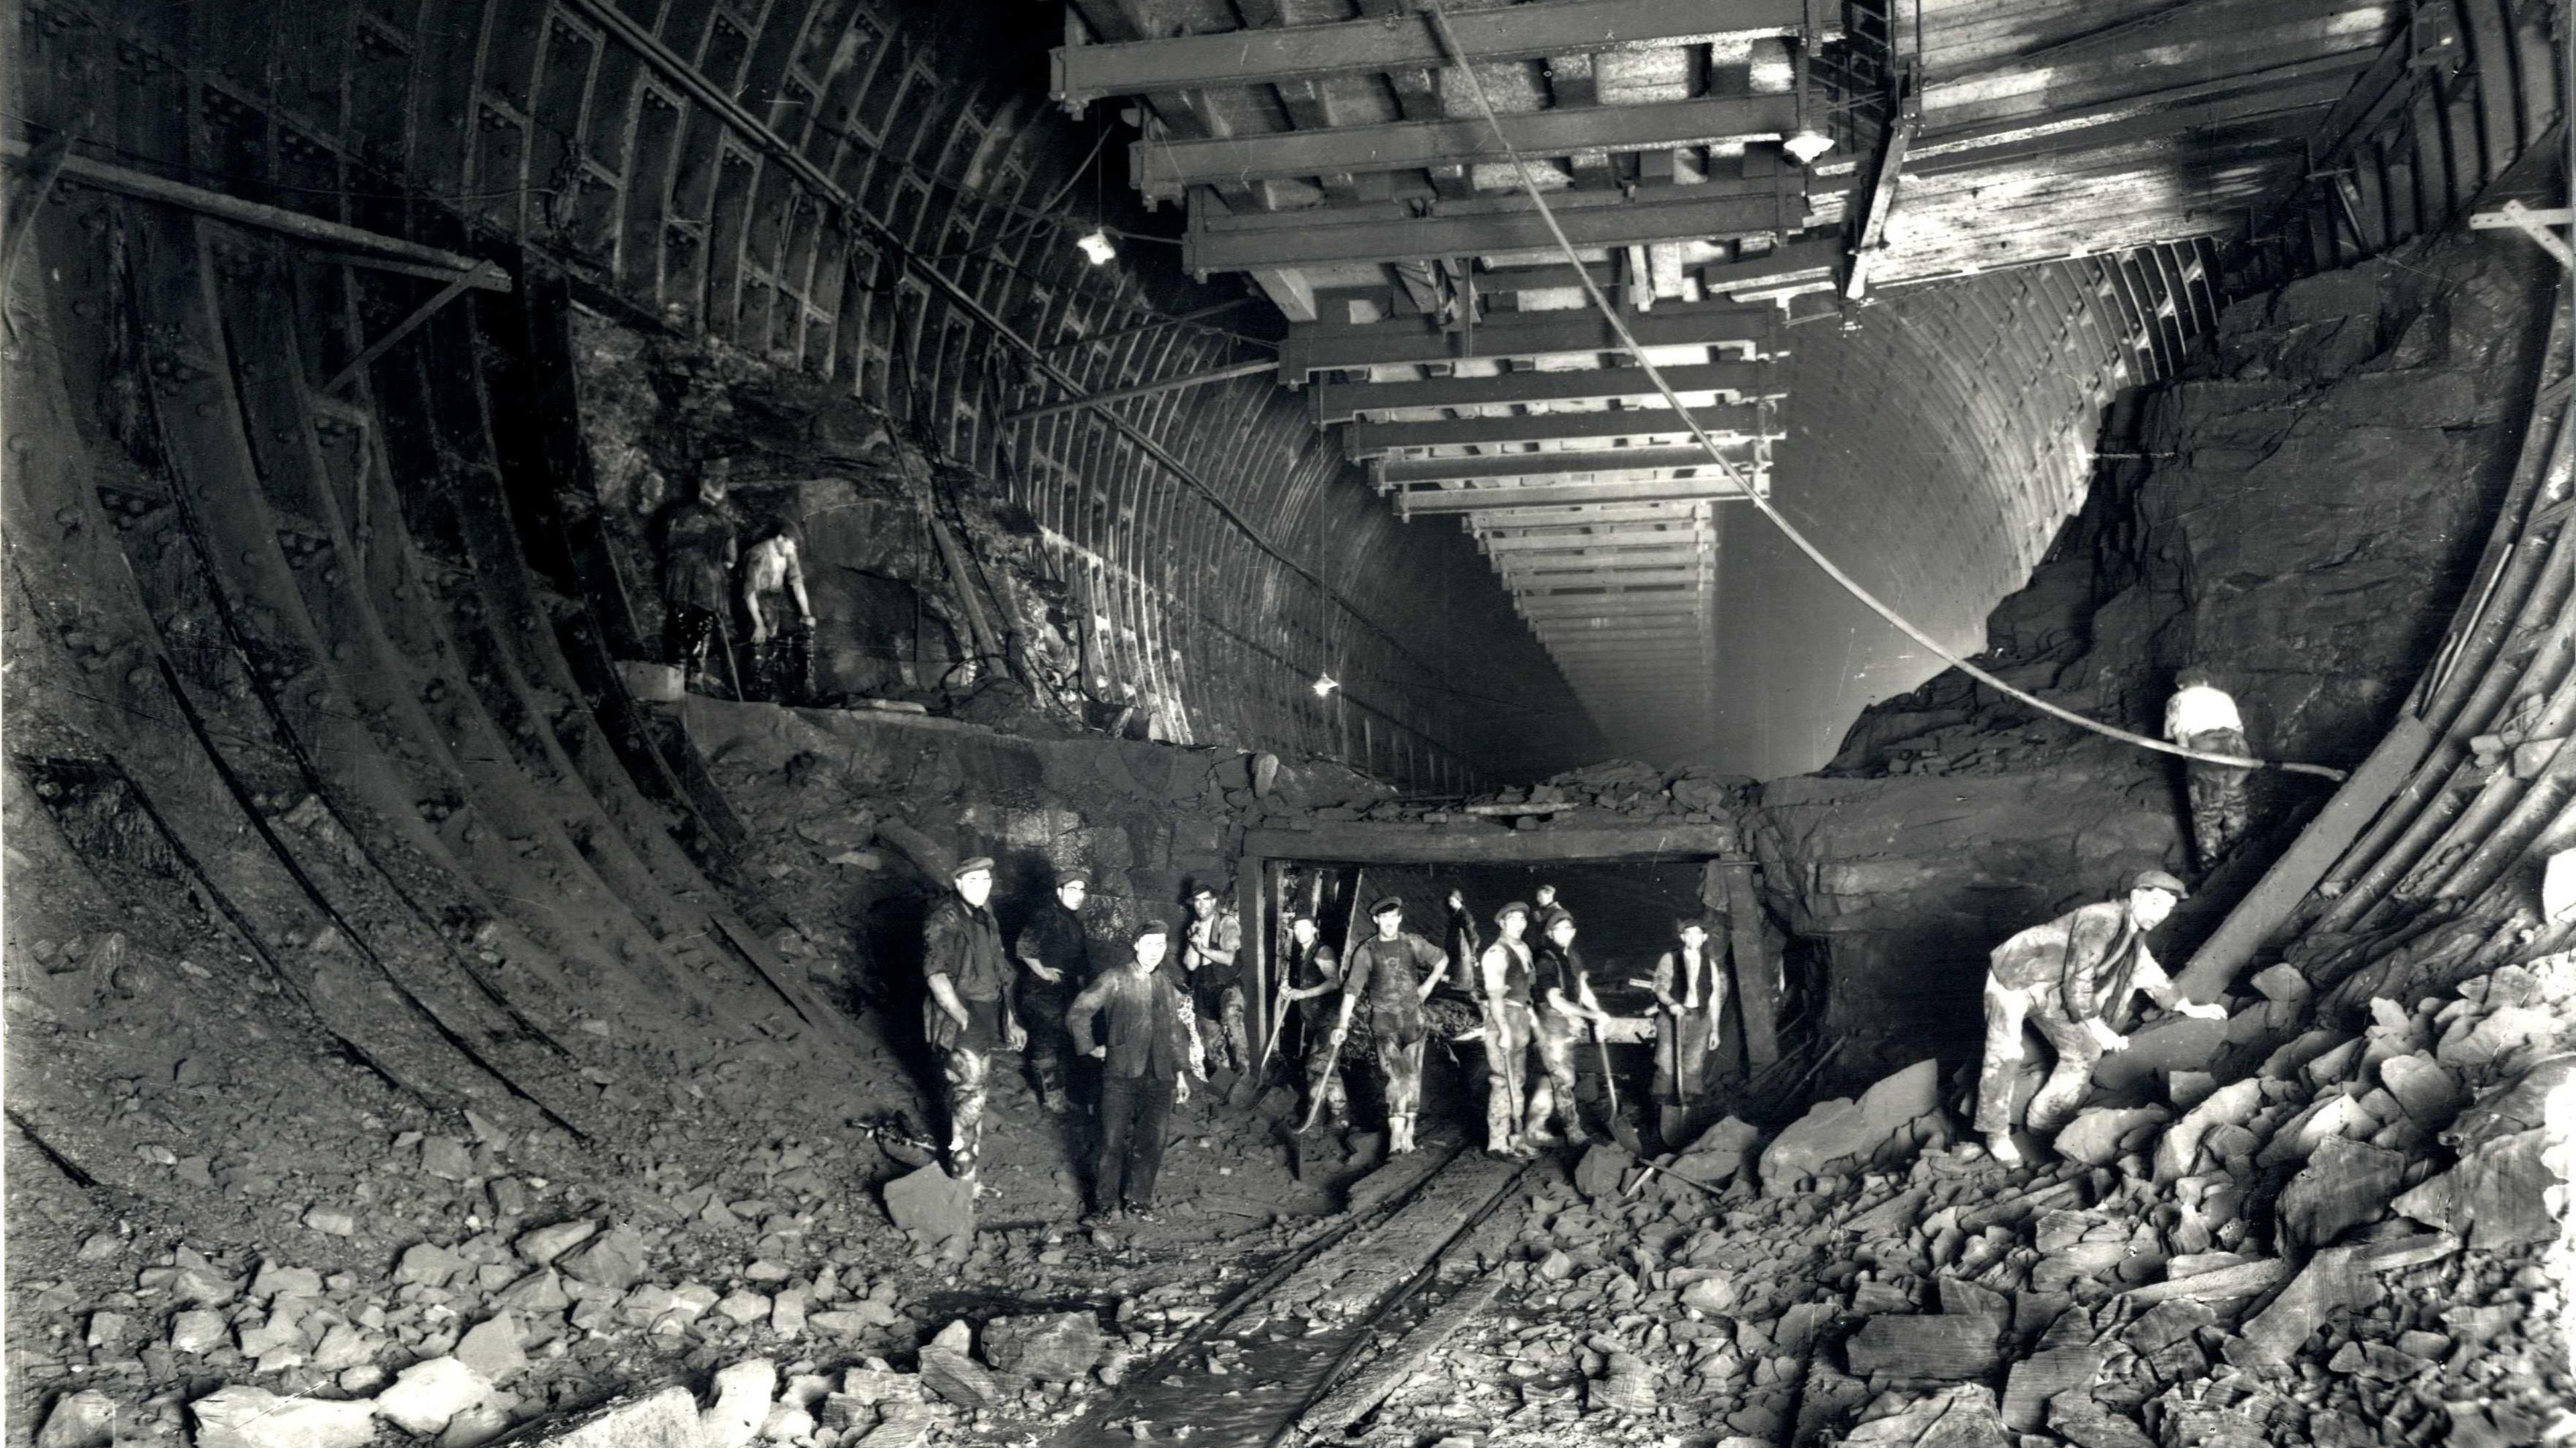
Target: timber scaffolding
<point x="1732" y="172"/>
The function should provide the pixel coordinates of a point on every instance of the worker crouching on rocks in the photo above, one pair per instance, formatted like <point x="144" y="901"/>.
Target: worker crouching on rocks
<point x="1396" y="971"/>
<point x="1565" y="1002"/>
<point x="968" y="1013"/>
<point x="1148" y="1043"/>
<point x="2069" y="978"/>
<point x="1505" y="973"/>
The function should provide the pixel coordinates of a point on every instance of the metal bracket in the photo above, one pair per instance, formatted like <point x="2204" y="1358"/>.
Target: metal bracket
<point x="2540" y="225"/>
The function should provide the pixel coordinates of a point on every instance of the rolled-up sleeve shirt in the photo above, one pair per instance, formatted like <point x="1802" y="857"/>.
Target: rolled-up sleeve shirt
<point x="2094" y="954"/>
<point x="1144" y="1028"/>
<point x="964" y="943"/>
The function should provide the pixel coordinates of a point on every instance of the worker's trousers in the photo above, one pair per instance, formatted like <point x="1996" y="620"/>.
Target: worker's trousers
<point x="2217" y="794"/>
<point x="1556" y="1036"/>
<point x="1324" y="1075"/>
<point x="1400" y="1062"/>
<point x="965" y="1072"/>
<point x="2007" y="1007"/>
<point x="1135" y="1112"/>
<point x="1508" y="1033"/>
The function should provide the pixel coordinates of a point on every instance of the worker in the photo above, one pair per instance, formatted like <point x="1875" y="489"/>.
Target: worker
<point x="698" y="549"/>
<point x="1689" y="986"/>
<point x="782" y="656"/>
<point x="1313" y="970"/>
<point x="1396" y="971"/>
<point x="2202" y="716"/>
<point x="1147" y="1053"/>
<point x="1055" y="960"/>
<point x="1216" y="990"/>
<point x="967" y="1015"/>
<point x="1565" y="1001"/>
<point x="2070" y="978"/>
<point x="1504" y="973"/>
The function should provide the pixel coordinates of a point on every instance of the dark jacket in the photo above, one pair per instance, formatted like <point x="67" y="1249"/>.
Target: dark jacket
<point x="1053" y="936"/>
<point x="1147" y="1034"/>
<point x="964" y="944"/>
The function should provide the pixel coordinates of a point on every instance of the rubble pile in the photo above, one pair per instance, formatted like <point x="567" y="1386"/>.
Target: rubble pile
<point x="2351" y="1244"/>
<point x="1624" y="791"/>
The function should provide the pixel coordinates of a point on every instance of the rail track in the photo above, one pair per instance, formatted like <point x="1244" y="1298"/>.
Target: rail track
<point x="1314" y="1343"/>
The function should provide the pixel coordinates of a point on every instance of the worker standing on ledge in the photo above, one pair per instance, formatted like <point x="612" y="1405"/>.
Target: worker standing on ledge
<point x="1505" y="973"/>
<point x="1142" y="1054"/>
<point x="1313" y="971"/>
<point x="1565" y="1001"/>
<point x="698" y="551"/>
<point x="2202" y="716"/>
<point x="968" y="1014"/>
<point x="1056" y="954"/>
<point x="1396" y="970"/>
<point x="2070" y="978"/>
<point x="1215" y="938"/>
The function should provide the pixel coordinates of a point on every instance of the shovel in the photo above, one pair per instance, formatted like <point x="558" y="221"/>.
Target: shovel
<point x="1620" y="1130"/>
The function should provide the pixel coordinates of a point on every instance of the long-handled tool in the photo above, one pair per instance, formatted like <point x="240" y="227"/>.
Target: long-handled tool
<point x="1333" y="1054"/>
<point x="1620" y="1130"/>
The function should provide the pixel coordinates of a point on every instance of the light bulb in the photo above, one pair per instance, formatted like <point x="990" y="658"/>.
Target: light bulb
<point x="1806" y="146"/>
<point x="1096" y="248"/>
<point x="1325" y="684"/>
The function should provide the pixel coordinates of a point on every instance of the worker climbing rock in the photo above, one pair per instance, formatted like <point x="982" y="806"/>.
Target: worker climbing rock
<point x="1504" y="975"/>
<point x="1690" y="995"/>
<point x="698" y="548"/>
<point x="967" y="1015"/>
<point x="1314" y="971"/>
<point x="1565" y="1002"/>
<point x="1135" y="1022"/>
<point x="2202" y="716"/>
<point x="782" y="650"/>
<point x="1394" y="970"/>
<point x="1215" y="939"/>
<point x="2070" y="978"/>
<point x="1055" y="964"/>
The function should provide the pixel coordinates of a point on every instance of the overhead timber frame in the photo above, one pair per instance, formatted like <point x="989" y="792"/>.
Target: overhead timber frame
<point x="1726" y="884"/>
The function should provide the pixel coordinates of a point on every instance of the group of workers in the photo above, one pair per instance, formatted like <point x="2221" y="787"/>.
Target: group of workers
<point x="1527" y="996"/>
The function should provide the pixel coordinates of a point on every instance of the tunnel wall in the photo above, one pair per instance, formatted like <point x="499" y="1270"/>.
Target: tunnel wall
<point x="2309" y="513"/>
<point x="860" y="196"/>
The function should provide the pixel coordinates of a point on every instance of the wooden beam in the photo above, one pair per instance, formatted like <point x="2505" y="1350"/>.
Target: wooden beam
<point x="1724" y="422"/>
<point x="1166" y="168"/>
<point x="1433" y="502"/>
<point x="1356" y="843"/>
<point x="1882" y="193"/>
<point x="1378" y="45"/>
<point x="1333" y="402"/>
<point x="1389" y="231"/>
<point x="1313" y="347"/>
<point x="1604" y="462"/>
<point x="2052" y="135"/>
<point x="1757" y="974"/>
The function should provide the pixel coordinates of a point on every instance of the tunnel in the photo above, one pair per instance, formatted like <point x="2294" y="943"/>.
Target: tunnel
<point x="676" y="671"/>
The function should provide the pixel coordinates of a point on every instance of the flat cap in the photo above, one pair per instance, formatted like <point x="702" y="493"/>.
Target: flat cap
<point x="1207" y="890"/>
<point x="1149" y="926"/>
<point x="2159" y="880"/>
<point x="1386" y="903"/>
<point x="1554" y="914"/>
<point x="1074" y="877"/>
<point x="1517" y="907"/>
<point x="970" y="865"/>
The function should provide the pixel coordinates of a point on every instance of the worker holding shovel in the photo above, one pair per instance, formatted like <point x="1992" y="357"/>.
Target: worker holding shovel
<point x="1564" y="989"/>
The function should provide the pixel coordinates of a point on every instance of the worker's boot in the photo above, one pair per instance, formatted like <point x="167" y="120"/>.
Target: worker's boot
<point x="1999" y="1144"/>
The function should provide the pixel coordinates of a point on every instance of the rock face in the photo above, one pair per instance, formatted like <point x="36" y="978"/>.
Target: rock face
<point x="2314" y="491"/>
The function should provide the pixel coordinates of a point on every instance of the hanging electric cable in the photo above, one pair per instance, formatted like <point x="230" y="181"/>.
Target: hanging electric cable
<point x="1815" y="555"/>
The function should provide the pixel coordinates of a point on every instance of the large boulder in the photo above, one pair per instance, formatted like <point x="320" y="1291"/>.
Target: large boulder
<point x="1055" y="1347"/>
<point x="1844" y="1133"/>
<point x="248" y="1417"/>
<point x="935" y="1208"/>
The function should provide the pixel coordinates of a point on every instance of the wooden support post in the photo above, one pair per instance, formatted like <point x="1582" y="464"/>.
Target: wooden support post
<point x="1252" y="897"/>
<point x="1757" y="975"/>
<point x="1729" y="1045"/>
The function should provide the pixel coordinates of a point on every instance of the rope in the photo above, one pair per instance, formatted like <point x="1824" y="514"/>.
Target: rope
<point x="1815" y="555"/>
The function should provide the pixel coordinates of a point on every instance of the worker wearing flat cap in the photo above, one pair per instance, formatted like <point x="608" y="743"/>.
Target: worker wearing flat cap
<point x="1135" y="1022"/>
<point x="1689" y="986"/>
<point x="1565" y="1001"/>
<point x="968" y="1013"/>
<point x="1504" y="972"/>
<point x="1055" y="964"/>
<point x="1208" y="952"/>
<point x="2072" y="977"/>
<point x="1395" y="971"/>
<point x="1311" y="970"/>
